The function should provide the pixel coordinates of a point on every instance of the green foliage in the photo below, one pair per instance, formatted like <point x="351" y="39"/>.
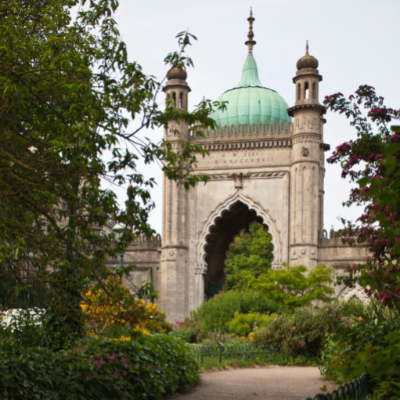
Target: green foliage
<point x="294" y="287"/>
<point x="188" y="335"/>
<point x="215" y="313"/>
<point x="300" y="334"/>
<point x="68" y="93"/>
<point x="248" y="256"/>
<point x="243" y="324"/>
<point x="368" y="342"/>
<point x="215" y="337"/>
<point x="149" y="367"/>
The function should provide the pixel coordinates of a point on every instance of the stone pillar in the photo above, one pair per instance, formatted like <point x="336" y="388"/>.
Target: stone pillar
<point x="306" y="164"/>
<point x="174" y="251"/>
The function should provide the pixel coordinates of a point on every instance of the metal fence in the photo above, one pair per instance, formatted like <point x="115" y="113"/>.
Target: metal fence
<point x="220" y="352"/>
<point x="357" y="389"/>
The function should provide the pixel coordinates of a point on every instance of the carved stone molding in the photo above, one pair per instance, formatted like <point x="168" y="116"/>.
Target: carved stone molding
<point x="244" y="131"/>
<point x="270" y="144"/>
<point x="260" y="211"/>
<point x="252" y="175"/>
<point x="306" y="139"/>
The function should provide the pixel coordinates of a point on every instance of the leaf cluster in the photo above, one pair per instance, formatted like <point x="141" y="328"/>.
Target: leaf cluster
<point x="148" y="367"/>
<point x="295" y="286"/>
<point x="248" y="257"/>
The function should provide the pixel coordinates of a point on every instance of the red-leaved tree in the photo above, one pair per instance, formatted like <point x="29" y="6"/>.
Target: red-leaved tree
<point x="373" y="162"/>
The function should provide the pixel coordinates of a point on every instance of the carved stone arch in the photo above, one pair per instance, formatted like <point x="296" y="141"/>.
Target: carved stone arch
<point x="201" y="265"/>
<point x="233" y="129"/>
<point x="349" y="293"/>
<point x="261" y="128"/>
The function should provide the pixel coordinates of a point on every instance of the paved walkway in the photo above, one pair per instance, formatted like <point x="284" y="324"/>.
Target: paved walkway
<point x="272" y="383"/>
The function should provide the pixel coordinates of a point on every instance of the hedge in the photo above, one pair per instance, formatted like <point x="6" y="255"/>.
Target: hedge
<point x="148" y="367"/>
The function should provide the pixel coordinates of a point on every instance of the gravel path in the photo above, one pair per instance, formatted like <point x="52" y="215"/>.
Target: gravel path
<point x="277" y="383"/>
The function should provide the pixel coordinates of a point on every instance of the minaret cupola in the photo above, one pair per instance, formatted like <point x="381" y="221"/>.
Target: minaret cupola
<point x="307" y="82"/>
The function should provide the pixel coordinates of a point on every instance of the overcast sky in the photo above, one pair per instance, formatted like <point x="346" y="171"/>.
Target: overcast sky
<point x="355" y="41"/>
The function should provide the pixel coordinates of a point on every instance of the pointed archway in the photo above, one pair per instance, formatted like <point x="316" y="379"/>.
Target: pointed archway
<point x="217" y="233"/>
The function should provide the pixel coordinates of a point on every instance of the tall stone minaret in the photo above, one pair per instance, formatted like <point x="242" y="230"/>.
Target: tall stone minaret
<point x="173" y="275"/>
<point x="307" y="165"/>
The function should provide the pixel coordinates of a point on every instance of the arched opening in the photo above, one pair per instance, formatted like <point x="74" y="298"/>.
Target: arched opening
<point x="221" y="234"/>
<point x="174" y="98"/>
<point x="298" y="91"/>
<point x="180" y="100"/>
<point x="306" y="91"/>
<point x="314" y="91"/>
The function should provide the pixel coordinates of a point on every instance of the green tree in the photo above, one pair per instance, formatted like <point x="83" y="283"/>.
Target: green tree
<point x="68" y="92"/>
<point x="296" y="286"/>
<point x="248" y="256"/>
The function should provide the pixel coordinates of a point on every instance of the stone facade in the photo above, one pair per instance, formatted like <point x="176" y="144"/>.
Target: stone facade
<point x="270" y="173"/>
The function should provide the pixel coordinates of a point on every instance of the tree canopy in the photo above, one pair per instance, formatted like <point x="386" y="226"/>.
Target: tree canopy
<point x="248" y="256"/>
<point x="372" y="161"/>
<point x="295" y="286"/>
<point x="68" y="92"/>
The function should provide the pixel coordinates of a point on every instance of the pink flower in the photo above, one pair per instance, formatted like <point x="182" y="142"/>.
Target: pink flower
<point x="294" y="327"/>
<point x="326" y="328"/>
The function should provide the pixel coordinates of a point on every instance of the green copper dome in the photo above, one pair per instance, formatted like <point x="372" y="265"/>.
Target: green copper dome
<point x="249" y="102"/>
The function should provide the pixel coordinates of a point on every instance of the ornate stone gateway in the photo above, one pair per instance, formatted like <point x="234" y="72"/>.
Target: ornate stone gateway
<point x="266" y="164"/>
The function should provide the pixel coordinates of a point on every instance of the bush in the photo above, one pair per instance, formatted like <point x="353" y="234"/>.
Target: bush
<point x="244" y="324"/>
<point x="217" y="312"/>
<point x="23" y="326"/>
<point x="369" y="341"/>
<point x="296" y="286"/>
<point x="117" y="311"/>
<point x="188" y="335"/>
<point x="215" y="337"/>
<point x="148" y="367"/>
<point x="301" y="334"/>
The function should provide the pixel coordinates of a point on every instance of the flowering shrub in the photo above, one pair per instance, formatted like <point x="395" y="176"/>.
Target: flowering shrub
<point x="368" y="341"/>
<point x="217" y="336"/>
<point x="18" y="318"/>
<point x="113" y="309"/>
<point x="373" y="162"/>
<point x="24" y="327"/>
<point x="303" y="333"/>
<point x="148" y="367"/>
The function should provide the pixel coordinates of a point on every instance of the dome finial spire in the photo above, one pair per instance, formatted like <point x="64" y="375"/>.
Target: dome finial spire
<point x="307" y="48"/>
<point x="250" y="43"/>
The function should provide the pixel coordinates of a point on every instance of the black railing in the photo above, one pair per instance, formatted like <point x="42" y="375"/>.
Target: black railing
<point x="220" y="352"/>
<point x="357" y="389"/>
